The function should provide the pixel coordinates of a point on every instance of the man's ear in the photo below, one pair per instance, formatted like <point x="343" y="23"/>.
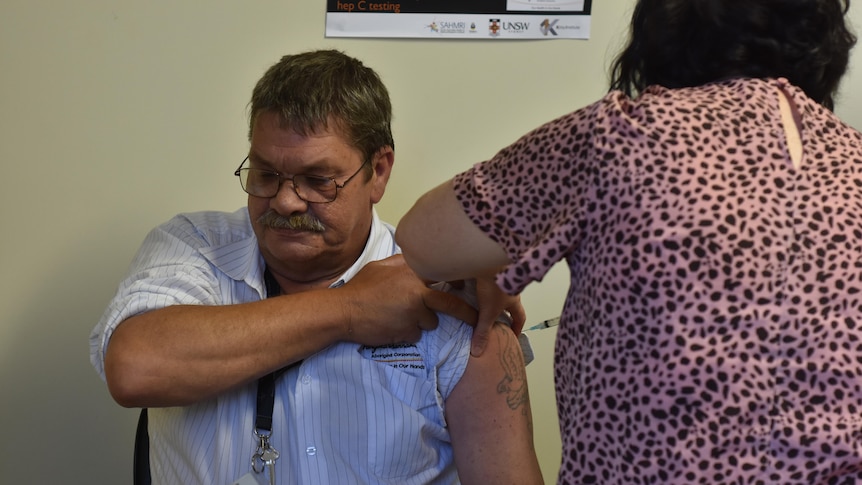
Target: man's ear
<point x="381" y="165"/>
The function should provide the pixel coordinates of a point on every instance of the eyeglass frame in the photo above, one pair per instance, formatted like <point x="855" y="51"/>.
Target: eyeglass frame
<point x="282" y="178"/>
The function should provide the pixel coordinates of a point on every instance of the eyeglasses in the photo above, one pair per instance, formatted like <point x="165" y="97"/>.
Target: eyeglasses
<point x="310" y="188"/>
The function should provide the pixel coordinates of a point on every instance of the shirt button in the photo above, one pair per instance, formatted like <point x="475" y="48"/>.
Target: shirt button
<point x="306" y="379"/>
<point x="311" y="451"/>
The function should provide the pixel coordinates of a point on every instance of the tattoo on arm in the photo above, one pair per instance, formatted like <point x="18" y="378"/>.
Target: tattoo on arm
<point x="514" y="382"/>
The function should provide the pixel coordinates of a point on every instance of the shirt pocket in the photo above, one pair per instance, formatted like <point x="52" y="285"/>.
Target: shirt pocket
<point x="406" y="431"/>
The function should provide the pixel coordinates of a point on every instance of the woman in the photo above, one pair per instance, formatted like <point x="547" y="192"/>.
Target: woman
<point x="710" y="211"/>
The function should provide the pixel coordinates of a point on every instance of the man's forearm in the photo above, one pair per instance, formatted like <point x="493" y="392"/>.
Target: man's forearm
<point x="184" y="354"/>
<point x="180" y="355"/>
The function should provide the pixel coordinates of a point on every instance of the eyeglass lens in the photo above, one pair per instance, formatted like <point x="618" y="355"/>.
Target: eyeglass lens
<point x="263" y="183"/>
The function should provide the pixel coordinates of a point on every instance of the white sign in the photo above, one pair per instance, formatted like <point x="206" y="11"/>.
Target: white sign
<point x="459" y="19"/>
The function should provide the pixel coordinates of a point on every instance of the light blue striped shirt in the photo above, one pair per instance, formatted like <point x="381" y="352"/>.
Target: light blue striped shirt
<point x="346" y="415"/>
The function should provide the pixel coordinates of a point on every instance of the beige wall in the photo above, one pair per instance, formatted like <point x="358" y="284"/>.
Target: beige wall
<point x="115" y="115"/>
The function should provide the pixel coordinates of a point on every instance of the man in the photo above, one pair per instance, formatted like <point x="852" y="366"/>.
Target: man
<point x="304" y="290"/>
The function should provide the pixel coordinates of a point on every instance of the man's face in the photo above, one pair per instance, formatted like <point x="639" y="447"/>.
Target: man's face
<point x="303" y="255"/>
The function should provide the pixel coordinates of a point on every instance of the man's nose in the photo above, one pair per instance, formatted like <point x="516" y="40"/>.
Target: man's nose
<point x="287" y="197"/>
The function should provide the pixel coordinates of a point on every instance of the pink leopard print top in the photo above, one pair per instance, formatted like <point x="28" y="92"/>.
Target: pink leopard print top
<point x="713" y="329"/>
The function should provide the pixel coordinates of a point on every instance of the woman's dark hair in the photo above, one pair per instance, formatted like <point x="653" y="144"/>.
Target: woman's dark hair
<point x="681" y="43"/>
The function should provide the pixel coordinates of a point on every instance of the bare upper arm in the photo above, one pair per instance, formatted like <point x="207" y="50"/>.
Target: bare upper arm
<point x="489" y="416"/>
<point x="441" y="243"/>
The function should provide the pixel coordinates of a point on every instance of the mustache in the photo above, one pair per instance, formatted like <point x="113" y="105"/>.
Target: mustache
<point x="296" y="222"/>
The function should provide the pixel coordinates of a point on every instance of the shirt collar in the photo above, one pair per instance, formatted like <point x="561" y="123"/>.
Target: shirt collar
<point x="380" y="245"/>
<point x="240" y="259"/>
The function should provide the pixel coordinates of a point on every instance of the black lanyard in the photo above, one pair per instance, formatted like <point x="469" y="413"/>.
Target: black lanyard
<point x="265" y="402"/>
<point x="266" y="384"/>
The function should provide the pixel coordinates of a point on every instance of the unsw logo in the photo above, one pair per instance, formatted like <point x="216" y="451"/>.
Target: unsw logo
<point x="496" y="27"/>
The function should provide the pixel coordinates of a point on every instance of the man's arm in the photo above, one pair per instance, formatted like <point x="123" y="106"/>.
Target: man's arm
<point x="489" y="417"/>
<point x="183" y="354"/>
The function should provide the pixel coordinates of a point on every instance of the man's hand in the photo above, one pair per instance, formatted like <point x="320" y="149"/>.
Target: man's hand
<point x="389" y="304"/>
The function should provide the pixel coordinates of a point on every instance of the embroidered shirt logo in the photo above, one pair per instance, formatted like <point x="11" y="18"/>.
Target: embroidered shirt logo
<point x="399" y="356"/>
